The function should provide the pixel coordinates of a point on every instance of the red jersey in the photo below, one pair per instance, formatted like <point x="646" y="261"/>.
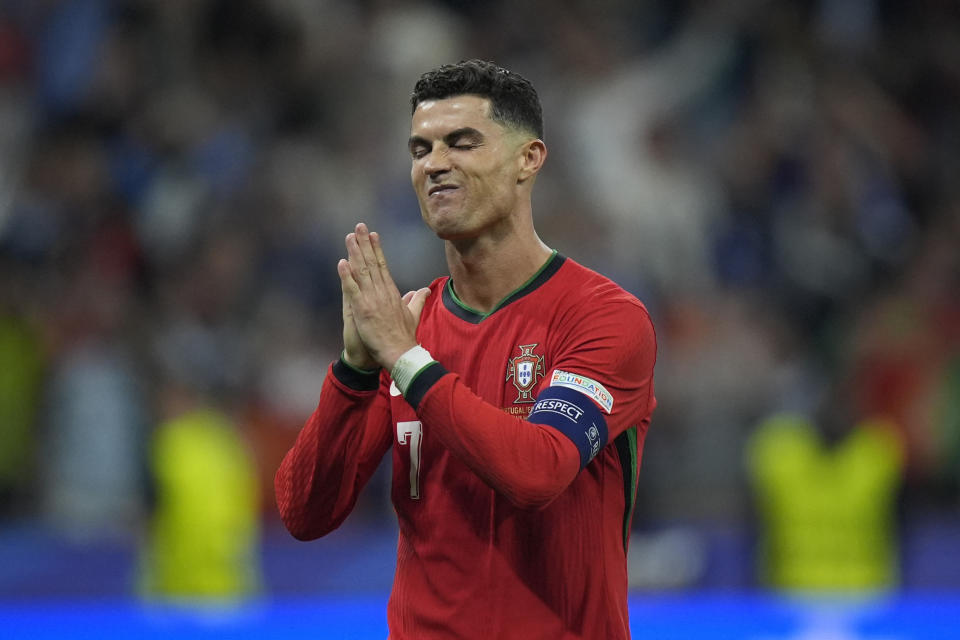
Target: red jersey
<point x="515" y="460"/>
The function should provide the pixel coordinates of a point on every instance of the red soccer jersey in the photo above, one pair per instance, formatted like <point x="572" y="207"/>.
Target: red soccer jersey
<point x="515" y="460"/>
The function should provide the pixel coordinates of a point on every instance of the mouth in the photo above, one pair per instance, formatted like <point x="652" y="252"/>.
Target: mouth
<point x="441" y="188"/>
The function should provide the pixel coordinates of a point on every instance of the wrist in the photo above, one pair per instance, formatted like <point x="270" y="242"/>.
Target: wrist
<point x="408" y="365"/>
<point x="365" y="366"/>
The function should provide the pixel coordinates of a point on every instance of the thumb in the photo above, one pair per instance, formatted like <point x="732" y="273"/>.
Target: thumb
<point x="417" y="301"/>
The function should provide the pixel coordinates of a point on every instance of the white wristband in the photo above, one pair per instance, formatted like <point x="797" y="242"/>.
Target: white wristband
<point x="409" y="365"/>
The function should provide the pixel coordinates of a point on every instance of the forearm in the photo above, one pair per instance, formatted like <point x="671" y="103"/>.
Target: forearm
<point x="529" y="464"/>
<point x="334" y="456"/>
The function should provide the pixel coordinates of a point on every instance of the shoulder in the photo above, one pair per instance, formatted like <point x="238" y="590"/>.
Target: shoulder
<point x="604" y="342"/>
<point x="601" y="325"/>
<point x="588" y="293"/>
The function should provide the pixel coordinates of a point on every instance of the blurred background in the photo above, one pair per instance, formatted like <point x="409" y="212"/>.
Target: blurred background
<point x="776" y="180"/>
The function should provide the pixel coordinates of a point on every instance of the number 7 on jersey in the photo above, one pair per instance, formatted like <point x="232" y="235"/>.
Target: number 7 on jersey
<point x="409" y="433"/>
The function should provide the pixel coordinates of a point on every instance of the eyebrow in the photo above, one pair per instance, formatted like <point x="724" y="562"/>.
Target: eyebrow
<point x="450" y="138"/>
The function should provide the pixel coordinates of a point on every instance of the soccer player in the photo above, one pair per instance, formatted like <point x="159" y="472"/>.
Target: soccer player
<point x="515" y="393"/>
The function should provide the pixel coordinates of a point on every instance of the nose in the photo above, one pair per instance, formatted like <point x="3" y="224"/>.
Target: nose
<point x="437" y="162"/>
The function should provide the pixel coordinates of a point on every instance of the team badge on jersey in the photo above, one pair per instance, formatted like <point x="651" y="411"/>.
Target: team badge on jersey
<point x="526" y="369"/>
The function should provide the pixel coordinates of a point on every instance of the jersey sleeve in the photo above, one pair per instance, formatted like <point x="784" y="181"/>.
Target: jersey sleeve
<point x="336" y="452"/>
<point x="532" y="461"/>
<point x="529" y="466"/>
<point x="602" y="382"/>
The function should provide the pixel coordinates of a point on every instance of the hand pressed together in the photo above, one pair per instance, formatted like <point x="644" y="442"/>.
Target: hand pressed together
<point x="378" y="324"/>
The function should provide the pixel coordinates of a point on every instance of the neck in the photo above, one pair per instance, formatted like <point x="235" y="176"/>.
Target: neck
<point x="486" y="269"/>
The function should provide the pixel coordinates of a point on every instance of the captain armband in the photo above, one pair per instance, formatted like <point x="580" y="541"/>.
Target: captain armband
<point x="574" y="415"/>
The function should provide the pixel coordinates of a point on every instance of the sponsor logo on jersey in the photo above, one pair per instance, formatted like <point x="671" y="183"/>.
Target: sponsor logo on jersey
<point x="565" y="409"/>
<point x="526" y="369"/>
<point x="587" y="386"/>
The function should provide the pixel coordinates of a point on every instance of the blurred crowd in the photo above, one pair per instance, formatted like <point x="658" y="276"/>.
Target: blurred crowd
<point x="777" y="181"/>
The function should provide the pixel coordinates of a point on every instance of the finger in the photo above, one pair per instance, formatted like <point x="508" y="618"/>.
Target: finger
<point x="381" y="259"/>
<point x="358" y="264"/>
<point x="407" y="297"/>
<point x="370" y="260"/>
<point x="417" y="302"/>
<point x="347" y="282"/>
<point x="355" y="351"/>
<point x="347" y="309"/>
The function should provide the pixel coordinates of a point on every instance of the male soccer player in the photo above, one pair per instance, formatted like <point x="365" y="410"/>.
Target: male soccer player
<point x="515" y="393"/>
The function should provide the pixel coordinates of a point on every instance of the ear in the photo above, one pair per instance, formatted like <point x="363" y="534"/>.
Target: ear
<point x="533" y="154"/>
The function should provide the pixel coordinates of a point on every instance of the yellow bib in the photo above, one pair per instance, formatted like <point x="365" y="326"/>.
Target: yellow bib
<point x="828" y="515"/>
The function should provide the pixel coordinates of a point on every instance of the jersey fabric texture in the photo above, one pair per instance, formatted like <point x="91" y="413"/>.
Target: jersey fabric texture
<point x="515" y="460"/>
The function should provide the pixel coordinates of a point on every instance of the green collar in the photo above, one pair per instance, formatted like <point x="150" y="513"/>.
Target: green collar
<point x="457" y="307"/>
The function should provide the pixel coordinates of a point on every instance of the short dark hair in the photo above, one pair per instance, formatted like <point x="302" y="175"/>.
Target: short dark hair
<point x="513" y="100"/>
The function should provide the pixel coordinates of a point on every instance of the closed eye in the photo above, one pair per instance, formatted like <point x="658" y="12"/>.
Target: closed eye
<point x="463" y="139"/>
<point x="419" y="147"/>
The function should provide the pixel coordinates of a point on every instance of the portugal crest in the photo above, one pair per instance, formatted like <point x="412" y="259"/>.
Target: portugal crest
<point x="525" y="370"/>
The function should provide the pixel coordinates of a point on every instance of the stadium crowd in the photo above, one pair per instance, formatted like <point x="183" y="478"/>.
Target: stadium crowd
<point x="777" y="180"/>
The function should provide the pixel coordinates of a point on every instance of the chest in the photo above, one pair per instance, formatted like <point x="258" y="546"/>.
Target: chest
<point x="503" y="358"/>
